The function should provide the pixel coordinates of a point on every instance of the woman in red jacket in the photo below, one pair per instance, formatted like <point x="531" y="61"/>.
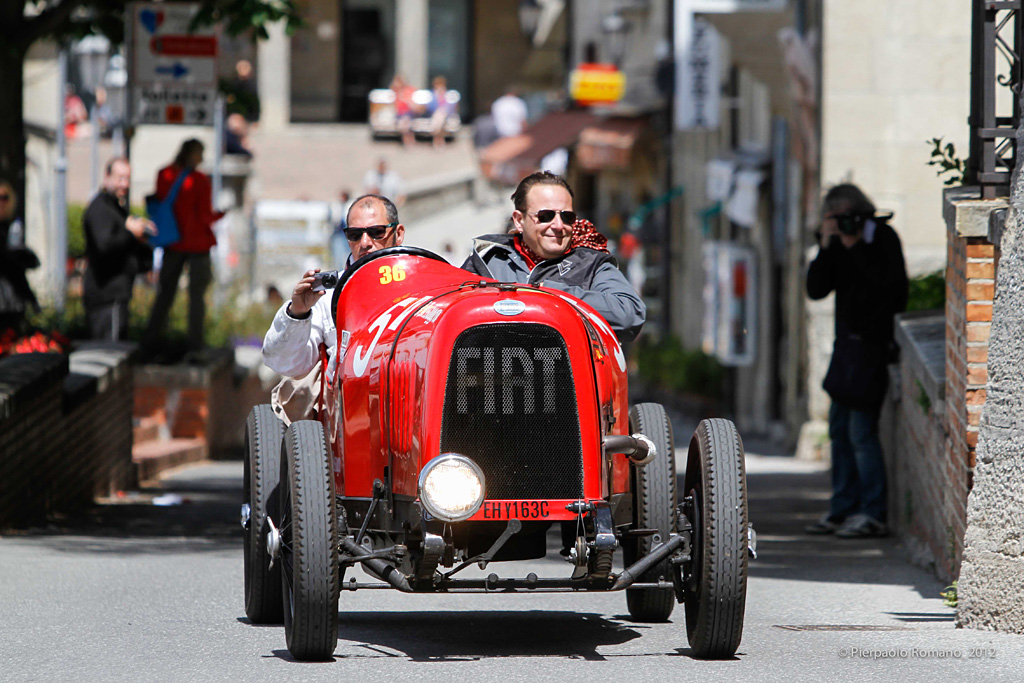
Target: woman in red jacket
<point x="193" y="210"/>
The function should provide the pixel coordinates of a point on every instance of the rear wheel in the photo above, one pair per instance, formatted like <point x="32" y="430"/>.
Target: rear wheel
<point x="309" y="544"/>
<point x="262" y="469"/>
<point x="654" y="504"/>
<point x="716" y="584"/>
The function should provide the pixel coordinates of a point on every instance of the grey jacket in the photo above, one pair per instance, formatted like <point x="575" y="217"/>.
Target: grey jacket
<point x="587" y="274"/>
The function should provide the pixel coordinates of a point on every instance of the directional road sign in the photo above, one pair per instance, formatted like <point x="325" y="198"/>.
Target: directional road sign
<point x="173" y="69"/>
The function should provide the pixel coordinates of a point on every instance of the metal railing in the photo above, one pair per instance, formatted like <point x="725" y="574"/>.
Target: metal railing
<point x="996" y="58"/>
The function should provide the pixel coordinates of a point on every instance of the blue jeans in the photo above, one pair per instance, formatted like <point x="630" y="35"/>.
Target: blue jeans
<point x="858" y="468"/>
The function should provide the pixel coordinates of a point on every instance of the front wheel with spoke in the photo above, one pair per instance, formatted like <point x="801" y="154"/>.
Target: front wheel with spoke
<point x="309" y="544"/>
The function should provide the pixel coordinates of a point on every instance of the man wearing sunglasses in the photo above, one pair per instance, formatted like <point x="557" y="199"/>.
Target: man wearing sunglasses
<point x="550" y="246"/>
<point x="291" y="346"/>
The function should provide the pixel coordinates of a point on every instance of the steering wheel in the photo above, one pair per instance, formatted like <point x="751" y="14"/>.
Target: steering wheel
<point x="400" y="250"/>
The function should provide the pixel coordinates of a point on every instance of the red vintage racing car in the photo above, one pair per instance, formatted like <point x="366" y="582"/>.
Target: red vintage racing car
<point x="465" y="419"/>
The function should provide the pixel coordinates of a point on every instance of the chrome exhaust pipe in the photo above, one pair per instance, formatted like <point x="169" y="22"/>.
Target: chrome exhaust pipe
<point x="637" y="447"/>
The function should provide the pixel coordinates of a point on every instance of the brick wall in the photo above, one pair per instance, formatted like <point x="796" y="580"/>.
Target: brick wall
<point x="65" y="432"/>
<point x="932" y="414"/>
<point x="921" y="485"/>
<point x="970" y="288"/>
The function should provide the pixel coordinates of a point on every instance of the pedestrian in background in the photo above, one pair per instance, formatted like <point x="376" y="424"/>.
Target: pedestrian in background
<point x="405" y="108"/>
<point x="860" y="259"/>
<point x="385" y="182"/>
<point x="116" y="249"/>
<point x="509" y="112"/>
<point x="440" y="110"/>
<point x="16" y="297"/>
<point x="193" y="211"/>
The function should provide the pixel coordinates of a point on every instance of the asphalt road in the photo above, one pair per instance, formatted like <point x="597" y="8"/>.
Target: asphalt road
<point x="138" y="592"/>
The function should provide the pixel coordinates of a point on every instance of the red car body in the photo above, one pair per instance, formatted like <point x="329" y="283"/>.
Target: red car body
<point x="402" y="316"/>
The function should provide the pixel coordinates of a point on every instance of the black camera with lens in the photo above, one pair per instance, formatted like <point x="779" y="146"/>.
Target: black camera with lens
<point x="851" y="223"/>
<point x="327" y="279"/>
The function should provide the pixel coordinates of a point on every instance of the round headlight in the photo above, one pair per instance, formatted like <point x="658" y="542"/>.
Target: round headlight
<point x="452" y="487"/>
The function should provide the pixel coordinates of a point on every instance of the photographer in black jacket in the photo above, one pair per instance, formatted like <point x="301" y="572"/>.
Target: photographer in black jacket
<point x="861" y="260"/>
<point x="115" y="245"/>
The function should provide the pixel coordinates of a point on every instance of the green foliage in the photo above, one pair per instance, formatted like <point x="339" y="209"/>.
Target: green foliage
<point x="227" y="325"/>
<point x="76" y="233"/>
<point x="76" y="230"/>
<point x="70" y="19"/>
<point x="927" y="292"/>
<point x="944" y="157"/>
<point x="923" y="401"/>
<point x="949" y="597"/>
<point x="667" y="365"/>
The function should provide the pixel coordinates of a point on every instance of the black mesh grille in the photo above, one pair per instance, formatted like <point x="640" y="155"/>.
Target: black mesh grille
<point x="510" y="405"/>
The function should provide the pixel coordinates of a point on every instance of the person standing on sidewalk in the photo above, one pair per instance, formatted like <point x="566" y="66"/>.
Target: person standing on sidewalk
<point x="115" y="245"/>
<point x="861" y="260"/>
<point x="193" y="211"/>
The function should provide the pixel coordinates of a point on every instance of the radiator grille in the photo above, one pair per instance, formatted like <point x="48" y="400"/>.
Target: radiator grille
<point x="510" y="405"/>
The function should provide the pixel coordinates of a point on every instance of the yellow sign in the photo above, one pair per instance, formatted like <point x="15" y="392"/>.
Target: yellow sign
<point x="597" y="84"/>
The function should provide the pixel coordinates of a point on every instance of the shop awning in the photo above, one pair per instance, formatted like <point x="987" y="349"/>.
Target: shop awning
<point x="608" y="143"/>
<point x="509" y="160"/>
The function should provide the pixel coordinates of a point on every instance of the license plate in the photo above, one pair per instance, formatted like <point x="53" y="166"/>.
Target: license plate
<point x="520" y="509"/>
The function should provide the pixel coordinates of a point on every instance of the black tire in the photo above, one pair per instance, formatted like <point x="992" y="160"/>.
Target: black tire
<point x="654" y="505"/>
<point x="309" y="544"/>
<point x="716" y="589"/>
<point x="262" y="471"/>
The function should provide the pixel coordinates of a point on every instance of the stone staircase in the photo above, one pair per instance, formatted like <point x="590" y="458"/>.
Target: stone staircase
<point x="161" y="436"/>
<point x="187" y="413"/>
<point x="153" y="451"/>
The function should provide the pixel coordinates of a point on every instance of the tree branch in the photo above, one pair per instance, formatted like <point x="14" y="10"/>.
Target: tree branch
<point x="47" y="21"/>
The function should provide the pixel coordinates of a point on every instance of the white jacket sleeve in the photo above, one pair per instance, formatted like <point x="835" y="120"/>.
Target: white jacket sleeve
<point x="291" y="346"/>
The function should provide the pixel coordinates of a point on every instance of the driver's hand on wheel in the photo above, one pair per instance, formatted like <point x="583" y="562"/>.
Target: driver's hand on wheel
<point x="303" y="296"/>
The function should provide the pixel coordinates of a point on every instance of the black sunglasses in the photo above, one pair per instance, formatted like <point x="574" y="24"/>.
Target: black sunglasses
<point x="548" y="215"/>
<point x="376" y="232"/>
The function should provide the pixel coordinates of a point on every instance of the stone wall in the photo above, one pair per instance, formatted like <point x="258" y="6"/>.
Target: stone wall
<point x="924" y="504"/>
<point x="65" y="431"/>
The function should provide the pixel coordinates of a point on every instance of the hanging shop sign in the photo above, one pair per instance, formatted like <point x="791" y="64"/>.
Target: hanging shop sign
<point x="594" y="84"/>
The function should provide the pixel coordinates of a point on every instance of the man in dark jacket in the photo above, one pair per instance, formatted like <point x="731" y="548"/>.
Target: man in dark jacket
<point x="861" y="260"/>
<point x="549" y="247"/>
<point x="115" y="244"/>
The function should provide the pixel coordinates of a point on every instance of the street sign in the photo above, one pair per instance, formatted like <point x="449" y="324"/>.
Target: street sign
<point x="173" y="71"/>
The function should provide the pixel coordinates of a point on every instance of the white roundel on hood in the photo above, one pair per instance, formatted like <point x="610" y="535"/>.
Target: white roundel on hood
<point x="509" y="307"/>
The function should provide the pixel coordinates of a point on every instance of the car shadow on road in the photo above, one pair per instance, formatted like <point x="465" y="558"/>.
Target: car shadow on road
<point x="443" y="636"/>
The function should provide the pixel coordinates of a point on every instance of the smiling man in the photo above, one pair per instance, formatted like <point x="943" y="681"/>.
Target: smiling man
<point x="550" y="247"/>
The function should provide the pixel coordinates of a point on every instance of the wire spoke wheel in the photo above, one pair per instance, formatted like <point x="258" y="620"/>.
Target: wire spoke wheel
<point x="261" y="472"/>
<point x="309" y="544"/>
<point x="716" y="586"/>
